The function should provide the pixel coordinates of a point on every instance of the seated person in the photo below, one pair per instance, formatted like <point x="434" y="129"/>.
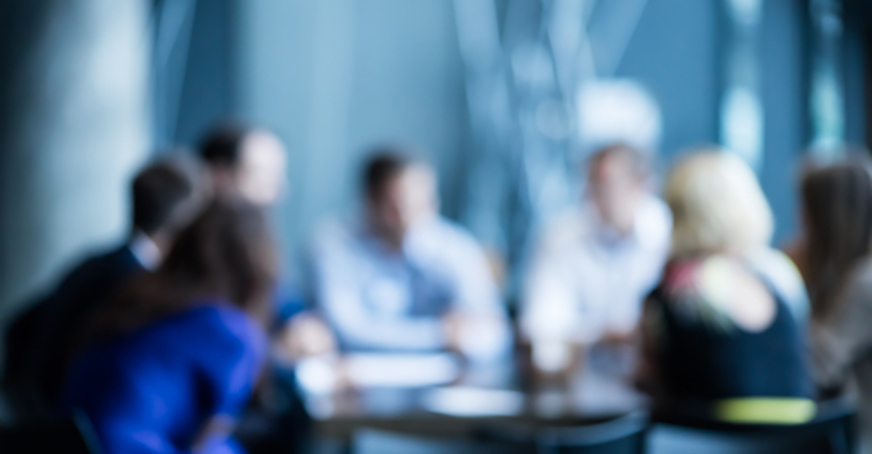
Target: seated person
<point x="172" y="362"/>
<point x="594" y="265"/>
<point x="401" y="277"/>
<point x="723" y="333"/>
<point x="248" y="162"/>
<point x="164" y="195"/>
<point x="836" y="257"/>
<point x="251" y="163"/>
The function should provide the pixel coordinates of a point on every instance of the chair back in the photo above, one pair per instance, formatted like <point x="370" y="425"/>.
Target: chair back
<point x="831" y="431"/>
<point x="370" y="441"/>
<point x="624" y="435"/>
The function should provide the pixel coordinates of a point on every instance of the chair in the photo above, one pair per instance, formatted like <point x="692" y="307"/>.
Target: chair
<point x="624" y="435"/>
<point x="369" y="441"/>
<point x="73" y="435"/>
<point x="830" y="432"/>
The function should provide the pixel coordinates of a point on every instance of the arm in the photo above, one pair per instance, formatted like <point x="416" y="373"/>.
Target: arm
<point x="844" y="338"/>
<point x="146" y="390"/>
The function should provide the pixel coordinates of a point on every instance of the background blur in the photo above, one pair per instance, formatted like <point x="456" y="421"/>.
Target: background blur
<point x="506" y="98"/>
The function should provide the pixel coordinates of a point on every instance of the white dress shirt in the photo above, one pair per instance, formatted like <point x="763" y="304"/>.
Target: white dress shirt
<point x="585" y="279"/>
<point x="380" y="298"/>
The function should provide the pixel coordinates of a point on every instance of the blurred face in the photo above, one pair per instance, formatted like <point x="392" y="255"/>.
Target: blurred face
<point x="404" y="200"/>
<point x="615" y="192"/>
<point x="262" y="174"/>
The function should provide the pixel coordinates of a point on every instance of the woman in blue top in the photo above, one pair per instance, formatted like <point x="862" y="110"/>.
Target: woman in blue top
<point x="175" y="358"/>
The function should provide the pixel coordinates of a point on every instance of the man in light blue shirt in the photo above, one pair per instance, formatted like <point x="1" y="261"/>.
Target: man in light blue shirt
<point x="401" y="277"/>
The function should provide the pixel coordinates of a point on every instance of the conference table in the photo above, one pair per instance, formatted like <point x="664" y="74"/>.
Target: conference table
<point x="442" y="395"/>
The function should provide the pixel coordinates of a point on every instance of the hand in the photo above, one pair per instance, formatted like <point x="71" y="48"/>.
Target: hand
<point x="478" y="335"/>
<point x="305" y="335"/>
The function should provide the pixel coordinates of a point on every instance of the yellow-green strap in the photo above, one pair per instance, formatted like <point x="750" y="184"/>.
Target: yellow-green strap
<point x="765" y="410"/>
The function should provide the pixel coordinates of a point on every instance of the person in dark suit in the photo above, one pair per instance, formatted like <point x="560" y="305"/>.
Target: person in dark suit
<point x="41" y="342"/>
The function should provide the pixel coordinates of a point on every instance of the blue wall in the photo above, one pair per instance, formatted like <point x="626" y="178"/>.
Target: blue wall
<point x="336" y="76"/>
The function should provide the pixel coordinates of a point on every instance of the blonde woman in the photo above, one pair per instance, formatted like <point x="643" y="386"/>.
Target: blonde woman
<point x="723" y="331"/>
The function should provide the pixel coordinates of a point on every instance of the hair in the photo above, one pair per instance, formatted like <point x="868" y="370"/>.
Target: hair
<point x="158" y="191"/>
<point x="837" y="208"/>
<point x="223" y="143"/>
<point x="383" y="164"/>
<point x="636" y="162"/>
<point x="717" y="206"/>
<point x="225" y="256"/>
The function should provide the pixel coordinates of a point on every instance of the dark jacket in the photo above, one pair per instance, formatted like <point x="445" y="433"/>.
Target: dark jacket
<point x="39" y="342"/>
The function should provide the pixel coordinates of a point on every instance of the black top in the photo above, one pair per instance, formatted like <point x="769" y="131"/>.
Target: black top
<point x="701" y="359"/>
<point x="39" y="341"/>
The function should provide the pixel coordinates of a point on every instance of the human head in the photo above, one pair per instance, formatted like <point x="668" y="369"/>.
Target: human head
<point x="226" y="255"/>
<point x="717" y="206"/>
<point x="399" y="191"/>
<point x="165" y="194"/>
<point x="617" y="177"/>
<point x="837" y="216"/>
<point x="246" y="161"/>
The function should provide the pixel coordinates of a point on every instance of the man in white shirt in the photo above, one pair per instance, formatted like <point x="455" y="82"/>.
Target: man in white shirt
<point x="593" y="266"/>
<point x="401" y="277"/>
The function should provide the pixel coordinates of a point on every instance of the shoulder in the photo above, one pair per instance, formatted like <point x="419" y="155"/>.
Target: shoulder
<point x="450" y="230"/>
<point x="440" y="240"/>
<point x="654" y="223"/>
<point x="115" y="262"/>
<point x="214" y="326"/>
<point x="568" y="227"/>
<point x="698" y="290"/>
<point x="782" y="274"/>
<point x="859" y="283"/>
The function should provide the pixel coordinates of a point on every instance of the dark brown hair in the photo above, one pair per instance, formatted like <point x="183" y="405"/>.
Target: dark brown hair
<point x="157" y="191"/>
<point x="386" y="162"/>
<point x="223" y="143"/>
<point x="837" y="209"/>
<point x="226" y="256"/>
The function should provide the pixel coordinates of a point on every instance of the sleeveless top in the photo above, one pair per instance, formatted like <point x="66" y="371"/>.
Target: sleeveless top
<point x="704" y="357"/>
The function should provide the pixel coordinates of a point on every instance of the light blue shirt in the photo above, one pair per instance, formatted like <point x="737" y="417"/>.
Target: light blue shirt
<point x="380" y="298"/>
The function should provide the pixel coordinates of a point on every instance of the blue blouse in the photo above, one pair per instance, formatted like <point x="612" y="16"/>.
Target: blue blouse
<point x="156" y="389"/>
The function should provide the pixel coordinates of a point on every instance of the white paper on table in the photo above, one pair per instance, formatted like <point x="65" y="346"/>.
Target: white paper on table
<point x="473" y="402"/>
<point x="390" y="370"/>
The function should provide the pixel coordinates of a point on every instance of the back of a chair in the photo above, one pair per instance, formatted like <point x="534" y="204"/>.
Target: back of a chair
<point x="73" y="435"/>
<point x="625" y="435"/>
<point x="370" y="441"/>
<point x="666" y="439"/>
<point x="830" y="432"/>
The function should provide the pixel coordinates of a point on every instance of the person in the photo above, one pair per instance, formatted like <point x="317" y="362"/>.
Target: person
<point x="249" y="162"/>
<point x="401" y="277"/>
<point x="170" y="365"/>
<point x="593" y="266"/>
<point x="836" y="259"/>
<point x="723" y="332"/>
<point x="164" y="195"/>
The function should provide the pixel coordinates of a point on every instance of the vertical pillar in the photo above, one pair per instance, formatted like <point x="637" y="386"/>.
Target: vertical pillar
<point x="73" y="128"/>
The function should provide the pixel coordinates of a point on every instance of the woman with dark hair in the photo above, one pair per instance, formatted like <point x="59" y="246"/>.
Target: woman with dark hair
<point x="174" y="359"/>
<point x="835" y="257"/>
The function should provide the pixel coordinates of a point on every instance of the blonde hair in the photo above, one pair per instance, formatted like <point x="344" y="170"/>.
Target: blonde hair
<point x="717" y="205"/>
